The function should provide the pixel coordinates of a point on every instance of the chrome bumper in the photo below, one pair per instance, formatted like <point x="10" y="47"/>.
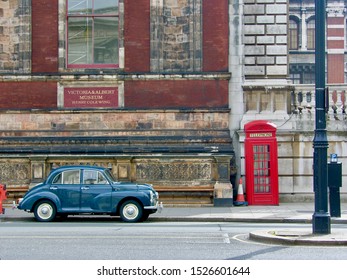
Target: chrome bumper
<point x="16" y="203"/>
<point x="159" y="207"/>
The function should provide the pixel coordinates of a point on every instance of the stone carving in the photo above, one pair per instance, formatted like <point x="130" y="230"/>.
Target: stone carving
<point x="173" y="171"/>
<point x="14" y="173"/>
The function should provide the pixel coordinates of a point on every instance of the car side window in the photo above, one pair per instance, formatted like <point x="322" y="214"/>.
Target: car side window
<point x="101" y="179"/>
<point x="91" y="177"/>
<point x="57" y="179"/>
<point x="71" y="177"/>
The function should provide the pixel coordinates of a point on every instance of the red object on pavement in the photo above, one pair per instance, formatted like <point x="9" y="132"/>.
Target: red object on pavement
<point x="2" y="197"/>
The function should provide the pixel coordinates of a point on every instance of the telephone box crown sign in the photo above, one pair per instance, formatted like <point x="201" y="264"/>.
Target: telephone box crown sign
<point x="260" y="129"/>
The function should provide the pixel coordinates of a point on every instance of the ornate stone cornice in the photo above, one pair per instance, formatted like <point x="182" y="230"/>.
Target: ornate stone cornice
<point x="336" y="11"/>
<point x="112" y="77"/>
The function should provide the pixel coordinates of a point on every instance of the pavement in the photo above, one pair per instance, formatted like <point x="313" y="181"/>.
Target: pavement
<point x="288" y="213"/>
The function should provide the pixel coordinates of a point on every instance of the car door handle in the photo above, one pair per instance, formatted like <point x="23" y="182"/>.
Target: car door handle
<point x="53" y="188"/>
<point x="84" y="188"/>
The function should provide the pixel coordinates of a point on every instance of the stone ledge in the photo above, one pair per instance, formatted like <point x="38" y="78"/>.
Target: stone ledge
<point x="114" y="77"/>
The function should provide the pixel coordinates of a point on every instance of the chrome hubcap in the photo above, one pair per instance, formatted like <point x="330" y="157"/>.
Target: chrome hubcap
<point x="45" y="211"/>
<point x="130" y="211"/>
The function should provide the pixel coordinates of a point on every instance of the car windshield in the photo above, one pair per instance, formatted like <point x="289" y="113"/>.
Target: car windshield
<point x="109" y="175"/>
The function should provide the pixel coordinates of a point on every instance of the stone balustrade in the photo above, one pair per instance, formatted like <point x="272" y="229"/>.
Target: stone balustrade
<point x="303" y="101"/>
<point x="292" y="107"/>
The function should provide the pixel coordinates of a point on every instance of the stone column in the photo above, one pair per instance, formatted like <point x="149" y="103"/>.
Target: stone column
<point x="303" y="29"/>
<point x="223" y="190"/>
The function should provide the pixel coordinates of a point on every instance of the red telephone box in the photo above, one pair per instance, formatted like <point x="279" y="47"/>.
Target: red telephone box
<point x="261" y="163"/>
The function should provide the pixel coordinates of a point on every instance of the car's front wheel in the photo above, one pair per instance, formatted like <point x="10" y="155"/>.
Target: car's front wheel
<point x="45" y="211"/>
<point x="131" y="211"/>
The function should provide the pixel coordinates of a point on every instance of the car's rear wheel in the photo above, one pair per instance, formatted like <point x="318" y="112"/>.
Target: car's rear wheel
<point x="45" y="211"/>
<point x="131" y="211"/>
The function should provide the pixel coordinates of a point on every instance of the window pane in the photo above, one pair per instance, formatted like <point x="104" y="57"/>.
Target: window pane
<point x="79" y="7"/>
<point x="90" y="177"/>
<point x="311" y="35"/>
<point x="80" y="41"/>
<point x="295" y="77"/>
<point x="293" y="35"/>
<point x="106" y="40"/>
<point x="57" y="179"/>
<point x="101" y="179"/>
<point x="309" y="78"/>
<point x="71" y="177"/>
<point x="106" y="7"/>
<point x="92" y="32"/>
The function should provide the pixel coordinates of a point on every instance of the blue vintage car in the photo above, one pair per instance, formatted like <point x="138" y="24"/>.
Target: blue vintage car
<point x="72" y="190"/>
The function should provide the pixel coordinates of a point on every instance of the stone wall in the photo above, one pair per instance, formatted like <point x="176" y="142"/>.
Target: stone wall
<point x="176" y="36"/>
<point x="265" y="38"/>
<point x="15" y="36"/>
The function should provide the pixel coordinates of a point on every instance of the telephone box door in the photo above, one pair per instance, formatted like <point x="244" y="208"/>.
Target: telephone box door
<point x="261" y="163"/>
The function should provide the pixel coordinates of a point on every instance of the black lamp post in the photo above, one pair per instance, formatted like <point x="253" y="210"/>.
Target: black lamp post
<point x="321" y="216"/>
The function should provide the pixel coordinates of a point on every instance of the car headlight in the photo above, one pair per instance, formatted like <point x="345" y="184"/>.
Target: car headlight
<point x="154" y="197"/>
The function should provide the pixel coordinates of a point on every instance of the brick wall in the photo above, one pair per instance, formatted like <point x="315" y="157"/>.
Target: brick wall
<point x="335" y="67"/>
<point x="45" y="36"/>
<point x="137" y="35"/>
<point x="215" y="35"/>
<point x="176" y="94"/>
<point x="28" y="95"/>
<point x="335" y="46"/>
<point x="138" y="93"/>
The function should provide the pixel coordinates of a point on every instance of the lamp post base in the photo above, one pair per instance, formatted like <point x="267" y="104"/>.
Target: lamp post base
<point x="321" y="223"/>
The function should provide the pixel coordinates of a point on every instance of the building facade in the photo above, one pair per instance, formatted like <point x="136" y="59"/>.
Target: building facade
<point x="302" y="41"/>
<point x="160" y="91"/>
<point x="132" y="85"/>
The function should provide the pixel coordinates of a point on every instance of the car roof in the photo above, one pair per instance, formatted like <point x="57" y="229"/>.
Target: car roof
<point x="59" y="169"/>
<point x="69" y="167"/>
<point x="79" y="167"/>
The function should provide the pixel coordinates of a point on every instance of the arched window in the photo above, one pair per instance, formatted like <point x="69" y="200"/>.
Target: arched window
<point x="293" y="35"/>
<point x="311" y="34"/>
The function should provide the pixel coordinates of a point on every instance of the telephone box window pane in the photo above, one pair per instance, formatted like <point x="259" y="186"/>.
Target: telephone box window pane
<point x="80" y="41"/>
<point x="261" y="168"/>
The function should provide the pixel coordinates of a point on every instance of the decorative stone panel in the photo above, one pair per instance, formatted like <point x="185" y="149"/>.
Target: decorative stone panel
<point x="15" y="172"/>
<point x="174" y="171"/>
